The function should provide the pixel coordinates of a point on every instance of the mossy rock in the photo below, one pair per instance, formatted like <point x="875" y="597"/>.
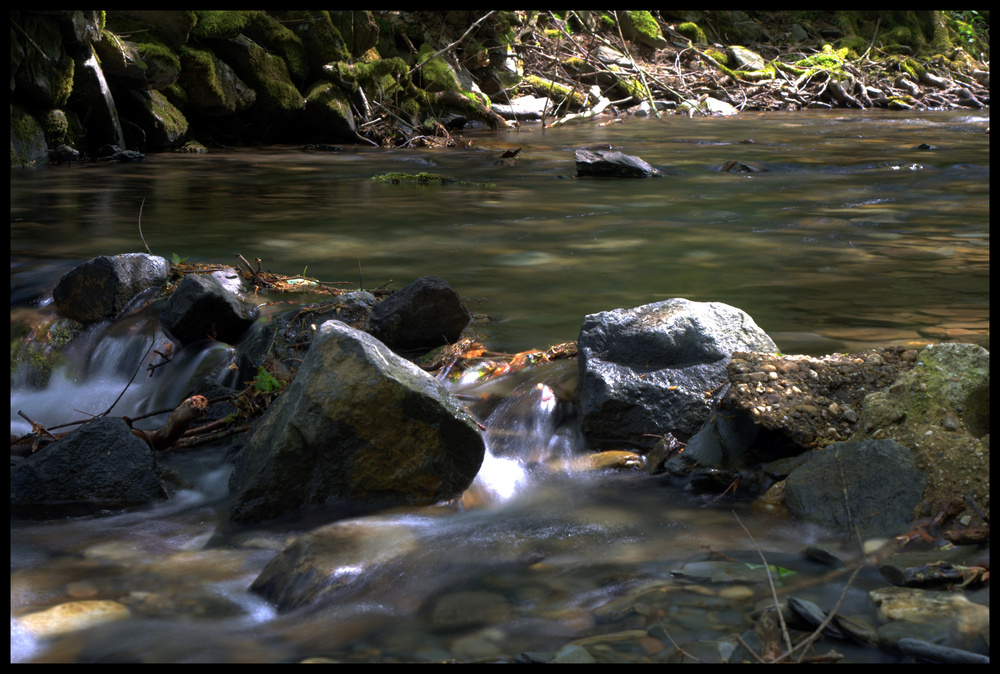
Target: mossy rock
<point x="329" y="110"/>
<point x="423" y="179"/>
<point x="693" y="32"/>
<point x="222" y="24"/>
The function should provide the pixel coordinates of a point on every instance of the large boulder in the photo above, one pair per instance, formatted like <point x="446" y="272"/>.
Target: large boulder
<point x="100" y="465"/>
<point x="202" y="308"/>
<point x="103" y="286"/>
<point x="360" y="424"/>
<point x="650" y="370"/>
<point x="423" y="315"/>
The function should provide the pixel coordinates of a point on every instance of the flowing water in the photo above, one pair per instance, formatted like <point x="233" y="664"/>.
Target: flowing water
<point x="852" y="238"/>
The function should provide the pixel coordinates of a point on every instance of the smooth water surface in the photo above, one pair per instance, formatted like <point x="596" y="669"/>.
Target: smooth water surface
<point x="852" y="238"/>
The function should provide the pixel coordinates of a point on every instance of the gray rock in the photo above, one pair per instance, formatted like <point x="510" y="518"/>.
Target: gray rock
<point x="98" y="466"/>
<point x="611" y="164"/>
<point x="423" y="315"/>
<point x="200" y="308"/>
<point x="102" y="287"/>
<point x="873" y="485"/>
<point x="357" y="424"/>
<point x="647" y="370"/>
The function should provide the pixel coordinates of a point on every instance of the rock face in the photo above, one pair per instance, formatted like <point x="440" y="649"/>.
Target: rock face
<point x="358" y="423"/>
<point x="873" y="484"/>
<point x="425" y="314"/>
<point x="611" y="164"/>
<point x="100" y="465"/>
<point x="940" y="409"/>
<point x="647" y="370"/>
<point x="201" y="308"/>
<point x="102" y="287"/>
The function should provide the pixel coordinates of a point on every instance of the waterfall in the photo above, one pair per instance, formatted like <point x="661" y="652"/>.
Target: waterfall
<point x="109" y="113"/>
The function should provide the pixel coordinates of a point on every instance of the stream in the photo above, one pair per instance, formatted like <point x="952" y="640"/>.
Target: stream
<point x="852" y="238"/>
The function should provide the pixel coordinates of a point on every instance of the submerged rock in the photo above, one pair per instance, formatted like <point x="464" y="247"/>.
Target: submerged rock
<point x="103" y="286"/>
<point x="648" y="370"/>
<point x="358" y="423"/>
<point x="331" y="558"/>
<point x="100" y="465"/>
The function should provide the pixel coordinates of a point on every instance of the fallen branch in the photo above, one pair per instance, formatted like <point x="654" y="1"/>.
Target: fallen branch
<point x="162" y="438"/>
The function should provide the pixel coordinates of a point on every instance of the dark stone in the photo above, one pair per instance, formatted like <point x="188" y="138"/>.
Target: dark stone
<point x="425" y="314"/>
<point x="101" y="465"/>
<point x="102" y="287"/>
<point x="874" y="485"/>
<point x="647" y="370"/>
<point x="200" y="308"/>
<point x="611" y="164"/>
<point x="359" y="424"/>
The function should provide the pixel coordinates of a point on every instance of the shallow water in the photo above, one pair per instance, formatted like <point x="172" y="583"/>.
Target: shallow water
<point x="852" y="239"/>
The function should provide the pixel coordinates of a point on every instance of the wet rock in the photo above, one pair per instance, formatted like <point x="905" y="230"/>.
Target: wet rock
<point x="873" y="485"/>
<point x="103" y="286"/>
<point x="425" y="314"/>
<point x="955" y="566"/>
<point x="647" y="370"/>
<point x="330" y="559"/>
<point x="72" y="616"/>
<point x="950" y="609"/>
<point x="595" y="163"/>
<point x="358" y="423"/>
<point x="202" y="308"/>
<point x="940" y="410"/>
<point x="925" y="650"/>
<point x="101" y="465"/>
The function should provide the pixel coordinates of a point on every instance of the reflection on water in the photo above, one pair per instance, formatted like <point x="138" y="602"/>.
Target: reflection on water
<point x="852" y="238"/>
<point x="852" y="234"/>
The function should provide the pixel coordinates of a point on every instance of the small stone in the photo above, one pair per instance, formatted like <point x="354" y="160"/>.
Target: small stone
<point x="72" y="616"/>
<point x="951" y="422"/>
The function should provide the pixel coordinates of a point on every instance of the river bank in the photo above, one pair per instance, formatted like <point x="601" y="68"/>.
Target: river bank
<point x="112" y="86"/>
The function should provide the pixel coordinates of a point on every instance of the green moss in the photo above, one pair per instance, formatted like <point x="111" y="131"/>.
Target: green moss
<point x="693" y="32"/>
<point x="645" y="24"/>
<point x="557" y="92"/>
<point x="424" y="179"/>
<point x="221" y="23"/>
<point x="434" y="72"/>
<point x="272" y="35"/>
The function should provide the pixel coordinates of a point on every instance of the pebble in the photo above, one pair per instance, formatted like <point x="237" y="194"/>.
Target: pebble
<point x="72" y="616"/>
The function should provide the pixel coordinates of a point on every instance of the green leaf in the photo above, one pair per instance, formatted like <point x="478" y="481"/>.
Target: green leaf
<point x="265" y="381"/>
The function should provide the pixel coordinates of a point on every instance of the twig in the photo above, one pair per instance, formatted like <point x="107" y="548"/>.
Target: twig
<point x="138" y="367"/>
<point x="770" y="581"/>
<point x="140" y="227"/>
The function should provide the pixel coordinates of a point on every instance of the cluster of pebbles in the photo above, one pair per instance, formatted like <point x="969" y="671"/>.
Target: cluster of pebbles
<point x="813" y="401"/>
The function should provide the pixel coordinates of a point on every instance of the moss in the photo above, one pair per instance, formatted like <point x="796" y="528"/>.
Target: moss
<point x="424" y="179"/>
<point x="645" y="24"/>
<point x="272" y="35"/>
<point x="556" y="91"/>
<point x="693" y="32"/>
<point x="221" y="23"/>
<point x="434" y="72"/>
